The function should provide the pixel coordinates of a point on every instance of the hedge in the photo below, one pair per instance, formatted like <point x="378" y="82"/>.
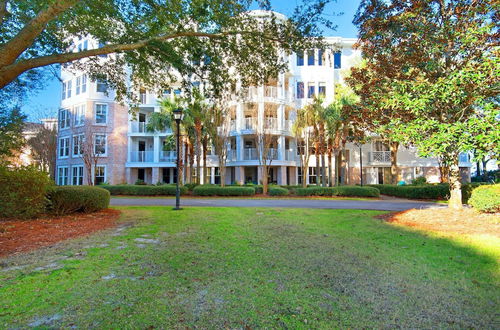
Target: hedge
<point x="427" y="191"/>
<point x="140" y="190"/>
<point x="71" y="199"/>
<point x="486" y="198"/>
<point x="278" y="191"/>
<point x="353" y="191"/>
<point x="22" y="193"/>
<point x="214" y="190"/>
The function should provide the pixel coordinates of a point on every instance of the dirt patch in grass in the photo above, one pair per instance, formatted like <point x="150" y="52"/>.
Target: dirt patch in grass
<point x="466" y="221"/>
<point x="26" y="235"/>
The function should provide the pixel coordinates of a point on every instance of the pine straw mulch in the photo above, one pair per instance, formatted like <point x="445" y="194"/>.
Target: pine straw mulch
<point x="465" y="222"/>
<point x="26" y="235"/>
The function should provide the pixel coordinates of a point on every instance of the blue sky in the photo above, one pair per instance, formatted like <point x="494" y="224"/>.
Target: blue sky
<point x="46" y="102"/>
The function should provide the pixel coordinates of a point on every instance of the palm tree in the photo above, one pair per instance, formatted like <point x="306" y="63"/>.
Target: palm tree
<point x="304" y="132"/>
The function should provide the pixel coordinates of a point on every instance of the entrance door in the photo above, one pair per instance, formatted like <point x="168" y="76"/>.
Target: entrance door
<point x="142" y="150"/>
<point x="142" y="122"/>
<point x="141" y="174"/>
<point x="380" y="175"/>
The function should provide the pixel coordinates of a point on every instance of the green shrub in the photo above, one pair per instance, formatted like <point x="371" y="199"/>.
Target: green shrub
<point x="190" y="186"/>
<point x="215" y="190"/>
<point x="486" y="198"/>
<point x="278" y="191"/>
<point x="291" y="188"/>
<point x="71" y="199"/>
<point x="140" y="190"/>
<point x="140" y="182"/>
<point x="352" y="191"/>
<point x="259" y="189"/>
<point x="420" y="180"/>
<point x="428" y="191"/>
<point x="22" y="193"/>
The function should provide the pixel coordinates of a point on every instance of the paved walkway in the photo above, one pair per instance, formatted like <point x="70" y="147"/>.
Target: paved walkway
<point x="383" y="205"/>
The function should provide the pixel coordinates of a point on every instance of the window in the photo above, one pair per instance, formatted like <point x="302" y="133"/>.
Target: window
<point x="177" y="91"/>
<point x="78" y="144"/>
<point x="310" y="57"/>
<point x="299" y="175"/>
<point x="66" y="89"/>
<point x="79" y="118"/>
<point x="64" y="118"/>
<point x="310" y="90"/>
<point x="321" y="53"/>
<point x="100" y="144"/>
<point x="101" y="86"/>
<point x="64" y="147"/>
<point x="300" y="58"/>
<point x="81" y="84"/>
<point x="337" y="64"/>
<point x="99" y="174"/>
<point x="102" y="44"/>
<point x="216" y="175"/>
<point x="62" y="175"/>
<point x="300" y="90"/>
<point x="322" y="89"/>
<point x="77" y="175"/>
<point x="101" y="113"/>
<point x="83" y="45"/>
<point x="312" y="175"/>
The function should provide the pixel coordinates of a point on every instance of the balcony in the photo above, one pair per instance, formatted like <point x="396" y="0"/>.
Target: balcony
<point x="232" y="125"/>
<point x="379" y="156"/>
<point x="231" y="155"/>
<point x="141" y="156"/>
<point x="168" y="156"/>
<point x="141" y="127"/>
<point x="250" y="154"/>
<point x="270" y="92"/>
<point x="288" y="125"/>
<point x="271" y="123"/>
<point x="250" y="123"/>
<point x="290" y="155"/>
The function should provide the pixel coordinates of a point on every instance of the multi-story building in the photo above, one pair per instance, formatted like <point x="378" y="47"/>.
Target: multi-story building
<point x="129" y="152"/>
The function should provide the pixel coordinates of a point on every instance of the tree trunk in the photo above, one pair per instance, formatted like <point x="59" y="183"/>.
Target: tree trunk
<point x="444" y="172"/>
<point x="265" y="175"/>
<point x="455" y="201"/>
<point x="222" y="173"/>
<point x="485" y="172"/>
<point x="337" y="167"/>
<point x="204" y="150"/>
<point x="318" y="180"/>
<point x="305" y="167"/>
<point x="323" y="170"/>
<point x="330" y="169"/>
<point x="394" y="162"/>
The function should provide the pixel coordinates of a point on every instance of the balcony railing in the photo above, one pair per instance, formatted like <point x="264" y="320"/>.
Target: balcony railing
<point x="168" y="156"/>
<point x="232" y="126"/>
<point x="250" y="154"/>
<point x="141" y="156"/>
<point x="271" y="123"/>
<point x="290" y="155"/>
<point x="272" y="154"/>
<point x="231" y="155"/>
<point x="271" y="91"/>
<point x="250" y="123"/>
<point x="141" y="127"/>
<point x="288" y="125"/>
<point x="380" y="156"/>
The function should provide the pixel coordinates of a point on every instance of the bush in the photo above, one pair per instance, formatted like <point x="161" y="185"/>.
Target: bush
<point x="22" y="193"/>
<point x="71" y="199"/>
<point x="291" y="188"/>
<point x="278" y="191"/>
<point x="140" y="190"/>
<point x="428" y="191"/>
<point x="486" y="198"/>
<point x="190" y="186"/>
<point x="352" y="191"/>
<point x="140" y="182"/>
<point x="214" y="190"/>
<point x="420" y="180"/>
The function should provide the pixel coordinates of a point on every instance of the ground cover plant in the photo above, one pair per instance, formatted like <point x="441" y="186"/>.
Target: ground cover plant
<point x="70" y="199"/>
<point x="355" y="191"/>
<point x="214" y="190"/>
<point x="143" y="190"/>
<point x="486" y="198"/>
<point x="255" y="268"/>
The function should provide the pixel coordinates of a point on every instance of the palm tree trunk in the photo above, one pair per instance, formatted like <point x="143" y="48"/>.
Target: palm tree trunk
<point x="330" y="169"/>
<point x="205" y="176"/>
<point x="394" y="162"/>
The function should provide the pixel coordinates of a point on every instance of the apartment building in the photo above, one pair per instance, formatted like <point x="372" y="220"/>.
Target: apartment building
<point x="128" y="152"/>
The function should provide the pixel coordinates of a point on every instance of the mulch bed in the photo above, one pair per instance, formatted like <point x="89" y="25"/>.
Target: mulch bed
<point x="466" y="222"/>
<point x="26" y="235"/>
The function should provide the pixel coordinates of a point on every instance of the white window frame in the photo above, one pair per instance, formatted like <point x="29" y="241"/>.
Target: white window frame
<point x="78" y="177"/>
<point x="101" y="82"/>
<point x="79" y="119"/>
<point x="63" y="93"/>
<point x="68" y="89"/>
<point x="78" y="85"/>
<point x="64" y="146"/>
<point x="98" y="105"/>
<point x="81" y="138"/>
<point x="59" y="177"/>
<point x="105" y="173"/>
<point x="105" y="144"/>
<point x="84" y="83"/>
<point x="66" y="122"/>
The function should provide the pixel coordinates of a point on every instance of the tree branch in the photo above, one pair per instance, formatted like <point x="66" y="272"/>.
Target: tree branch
<point x="11" y="50"/>
<point x="9" y="72"/>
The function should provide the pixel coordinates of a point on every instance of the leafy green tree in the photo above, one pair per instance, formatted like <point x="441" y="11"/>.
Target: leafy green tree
<point x="149" y="38"/>
<point x="11" y="131"/>
<point x="436" y="70"/>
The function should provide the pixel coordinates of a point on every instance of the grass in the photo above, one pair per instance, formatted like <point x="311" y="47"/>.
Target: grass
<point x="253" y="197"/>
<point x="264" y="267"/>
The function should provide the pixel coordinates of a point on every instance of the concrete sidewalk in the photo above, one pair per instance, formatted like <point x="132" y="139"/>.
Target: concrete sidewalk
<point x="382" y="205"/>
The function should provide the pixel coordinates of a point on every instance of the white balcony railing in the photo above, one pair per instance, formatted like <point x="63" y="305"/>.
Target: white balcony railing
<point x="272" y="154"/>
<point x="271" y="123"/>
<point x="231" y="155"/>
<point x="290" y="155"/>
<point x="250" y="154"/>
<point x="380" y="156"/>
<point x="288" y="125"/>
<point x="250" y="123"/>
<point x="137" y="127"/>
<point x="232" y="126"/>
<point x="168" y="156"/>
<point x="141" y="156"/>
<point x="271" y="91"/>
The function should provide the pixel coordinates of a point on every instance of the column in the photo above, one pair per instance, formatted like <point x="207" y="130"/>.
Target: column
<point x="293" y="176"/>
<point x="239" y="147"/>
<point x="282" y="175"/>
<point x="239" y="117"/>
<point x="129" y="148"/>
<point x="212" y="175"/>
<point x="239" y="174"/>
<point x="281" y="117"/>
<point x="155" y="175"/>
<point x="156" y="149"/>
<point x="128" y="175"/>
<point x="281" y="147"/>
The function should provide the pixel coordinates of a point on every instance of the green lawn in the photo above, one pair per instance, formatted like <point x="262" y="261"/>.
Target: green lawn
<point x="243" y="267"/>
